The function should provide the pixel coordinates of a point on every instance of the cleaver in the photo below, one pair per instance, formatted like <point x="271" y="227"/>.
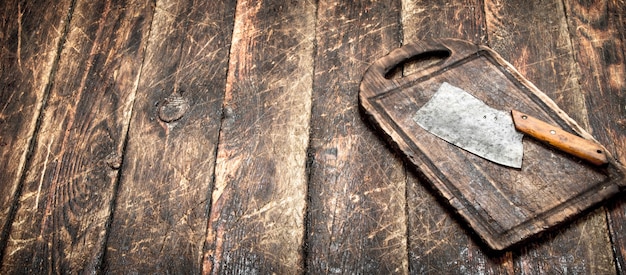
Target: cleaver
<point x="459" y="118"/>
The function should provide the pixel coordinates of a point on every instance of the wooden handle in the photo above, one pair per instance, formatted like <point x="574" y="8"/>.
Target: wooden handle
<point x="560" y="139"/>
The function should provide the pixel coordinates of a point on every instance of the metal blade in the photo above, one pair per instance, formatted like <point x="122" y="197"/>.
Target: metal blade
<point x="463" y="120"/>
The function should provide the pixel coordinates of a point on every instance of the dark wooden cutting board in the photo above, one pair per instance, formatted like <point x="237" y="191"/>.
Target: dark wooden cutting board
<point x="503" y="205"/>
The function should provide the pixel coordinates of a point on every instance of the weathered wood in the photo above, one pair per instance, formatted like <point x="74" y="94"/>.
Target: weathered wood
<point x="462" y="19"/>
<point x="598" y="32"/>
<point x="617" y="226"/>
<point x="438" y="242"/>
<point x="60" y="225"/>
<point x="503" y="205"/>
<point x="257" y="208"/>
<point x="160" y="217"/>
<point x="31" y="35"/>
<point x="534" y="37"/>
<point x="356" y="220"/>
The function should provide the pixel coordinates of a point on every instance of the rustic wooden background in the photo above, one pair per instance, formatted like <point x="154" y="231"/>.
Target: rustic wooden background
<point x="186" y="136"/>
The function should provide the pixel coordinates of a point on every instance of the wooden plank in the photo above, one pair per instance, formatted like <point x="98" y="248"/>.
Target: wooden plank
<point x="161" y="212"/>
<point x="356" y="220"/>
<point x="60" y="225"/>
<point x="544" y="52"/>
<point x="31" y="36"/>
<point x="534" y="37"/>
<point x="438" y="241"/>
<point x="598" y="32"/>
<point x="257" y="208"/>
<point x="422" y="19"/>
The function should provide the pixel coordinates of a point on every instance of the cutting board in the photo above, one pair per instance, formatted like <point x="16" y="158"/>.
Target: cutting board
<point x="503" y="205"/>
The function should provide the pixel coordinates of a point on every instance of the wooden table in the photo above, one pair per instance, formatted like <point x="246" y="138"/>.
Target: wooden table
<point x="225" y="136"/>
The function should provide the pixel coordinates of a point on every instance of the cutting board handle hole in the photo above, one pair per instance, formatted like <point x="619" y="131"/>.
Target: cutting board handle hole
<point x="419" y="62"/>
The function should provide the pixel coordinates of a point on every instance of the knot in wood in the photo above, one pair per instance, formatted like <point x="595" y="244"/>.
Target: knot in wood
<point x="114" y="161"/>
<point x="172" y="108"/>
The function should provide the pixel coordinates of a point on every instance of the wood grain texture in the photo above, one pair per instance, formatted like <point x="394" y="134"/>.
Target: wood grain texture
<point x="574" y="145"/>
<point x="60" y="225"/>
<point x="599" y="52"/>
<point x="356" y="221"/>
<point x="534" y="37"/>
<point x="253" y="157"/>
<point x="438" y="241"/>
<point x="160" y="217"/>
<point x="463" y="19"/>
<point x="617" y="227"/>
<point x="504" y="206"/>
<point x="30" y="39"/>
<point x="256" y="221"/>
<point x="598" y="32"/>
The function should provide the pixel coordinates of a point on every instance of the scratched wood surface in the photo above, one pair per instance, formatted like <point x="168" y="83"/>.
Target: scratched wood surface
<point x="60" y="219"/>
<point x="548" y="39"/>
<point x="183" y="136"/>
<point x="356" y="185"/>
<point x="172" y="140"/>
<point x="24" y="85"/>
